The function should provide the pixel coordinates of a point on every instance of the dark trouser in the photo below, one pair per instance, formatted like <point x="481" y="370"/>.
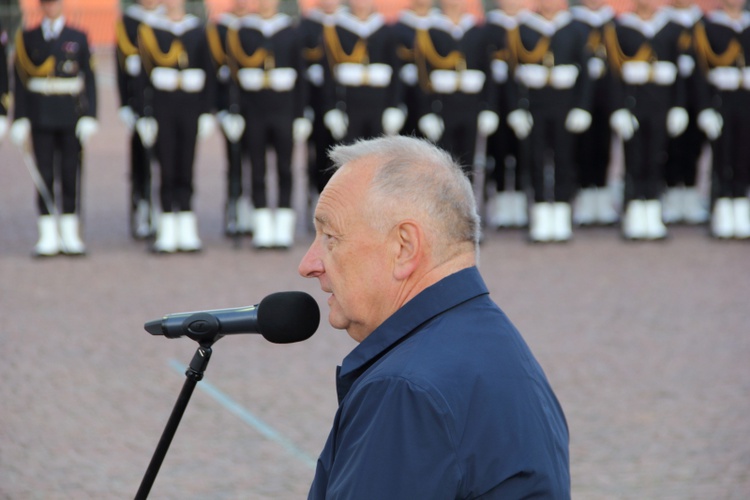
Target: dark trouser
<point x="593" y="151"/>
<point x="731" y="151"/>
<point x="645" y="154"/>
<point x="234" y="169"/>
<point x="682" y="155"/>
<point x="550" y="140"/>
<point x="177" y="114"/>
<point x="364" y="108"/>
<point x="140" y="171"/>
<point x="459" y="115"/>
<point x="502" y="148"/>
<point x="320" y="142"/>
<point x="57" y="153"/>
<point x="274" y="130"/>
<point x="411" y="125"/>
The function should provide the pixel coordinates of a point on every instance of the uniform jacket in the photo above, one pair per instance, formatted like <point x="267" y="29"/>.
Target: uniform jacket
<point x="128" y="57"/>
<point x="445" y="400"/>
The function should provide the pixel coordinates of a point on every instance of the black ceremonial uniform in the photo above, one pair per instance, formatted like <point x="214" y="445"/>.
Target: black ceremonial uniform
<point x="54" y="88"/>
<point x="502" y="146"/>
<point x="722" y="46"/>
<point x="643" y="54"/>
<point x="311" y="31"/>
<point x="266" y="59"/>
<point x="452" y="67"/>
<point x="178" y="82"/>
<point x="594" y="203"/>
<point x="4" y="92"/>
<point x="128" y="71"/>
<point x="405" y="30"/>
<point x="361" y="75"/>
<point x="682" y="202"/>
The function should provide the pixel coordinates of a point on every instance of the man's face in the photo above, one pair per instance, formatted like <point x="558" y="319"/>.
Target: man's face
<point x="329" y="6"/>
<point x="350" y="259"/>
<point x="51" y="8"/>
<point x="149" y="4"/>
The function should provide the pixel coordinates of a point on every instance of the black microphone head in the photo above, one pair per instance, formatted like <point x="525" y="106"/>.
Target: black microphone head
<point x="287" y="317"/>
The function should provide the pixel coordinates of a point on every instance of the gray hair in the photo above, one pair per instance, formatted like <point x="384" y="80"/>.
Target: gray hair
<point x="416" y="179"/>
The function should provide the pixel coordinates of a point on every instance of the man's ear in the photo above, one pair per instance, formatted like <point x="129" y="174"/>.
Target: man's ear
<point x="410" y="240"/>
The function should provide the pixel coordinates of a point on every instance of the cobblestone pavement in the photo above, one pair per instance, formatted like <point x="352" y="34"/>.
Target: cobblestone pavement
<point x="646" y="345"/>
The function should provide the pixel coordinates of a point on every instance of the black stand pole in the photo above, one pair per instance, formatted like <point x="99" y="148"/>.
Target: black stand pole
<point x="194" y="374"/>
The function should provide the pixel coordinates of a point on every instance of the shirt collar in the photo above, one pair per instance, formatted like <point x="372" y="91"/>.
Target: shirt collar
<point x="434" y="300"/>
<point x="52" y="29"/>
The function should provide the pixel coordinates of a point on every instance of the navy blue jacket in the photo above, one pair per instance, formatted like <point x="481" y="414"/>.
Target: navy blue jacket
<point x="445" y="400"/>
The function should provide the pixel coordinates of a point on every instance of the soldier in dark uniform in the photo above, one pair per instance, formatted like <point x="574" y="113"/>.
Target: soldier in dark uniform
<point x="551" y="59"/>
<point x="594" y="202"/>
<point x="128" y="70"/>
<point x="55" y="104"/>
<point x="178" y="81"/>
<point x="311" y="28"/>
<point x="643" y="49"/>
<point x="452" y="67"/>
<point x="722" y="44"/>
<point x="681" y="201"/>
<point x="418" y="17"/>
<point x="265" y="55"/>
<point x="361" y="86"/>
<point x="4" y="92"/>
<point x="238" y="210"/>
<point x="510" y="204"/>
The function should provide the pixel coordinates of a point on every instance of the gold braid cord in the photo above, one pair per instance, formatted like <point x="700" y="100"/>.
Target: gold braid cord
<point x="314" y="54"/>
<point x="26" y="68"/>
<point x="708" y="58"/>
<point x="238" y="56"/>
<point x="617" y="57"/>
<point x="336" y="52"/>
<point x="521" y="55"/>
<point x="425" y="53"/>
<point x="405" y="54"/>
<point x="123" y="41"/>
<point x="214" y="44"/>
<point x="152" y="55"/>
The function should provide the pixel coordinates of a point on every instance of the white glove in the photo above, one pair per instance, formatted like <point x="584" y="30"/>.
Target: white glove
<point x="206" y="125"/>
<point x="301" y="129"/>
<point x="578" y="121"/>
<point x="233" y="125"/>
<point x="393" y="120"/>
<point x="127" y="116"/>
<point x="147" y="129"/>
<point x="623" y="123"/>
<point x="487" y="122"/>
<point x="711" y="123"/>
<point x="20" y="131"/>
<point x="3" y="126"/>
<point x="521" y="122"/>
<point x="432" y="126"/>
<point x="337" y="122"/>
<point x="85" y="128"/>
<point x="677" y="121"/>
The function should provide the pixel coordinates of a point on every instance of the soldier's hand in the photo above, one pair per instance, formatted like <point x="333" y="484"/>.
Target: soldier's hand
<point x="337" y="123"/>
<point x="206" y="125"/>
<point x="623" y="123"/>
<point x="147" y="129"/>
<point x="233" y="125"/>
<point x="85" y="128"/>
<point x="3" y="126"/>
<point x="20" y="131"/>
<point x="432" y="126"/>
<point x="677" y="121"/>
<point x="301" y="129"/>
<point x="578" y="121"/>
<point x="711" y="123"/>
<point x="487" y="122"/>
<point x="393" y="120"/>
<point x="521" y="121"/>
<point x="127" y="117"/>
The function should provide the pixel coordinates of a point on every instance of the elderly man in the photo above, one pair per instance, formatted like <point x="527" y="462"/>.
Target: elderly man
<point x="442" y="398"/>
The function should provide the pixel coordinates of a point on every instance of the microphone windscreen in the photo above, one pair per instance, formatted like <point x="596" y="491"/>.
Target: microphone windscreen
<point x="287" y="317"/>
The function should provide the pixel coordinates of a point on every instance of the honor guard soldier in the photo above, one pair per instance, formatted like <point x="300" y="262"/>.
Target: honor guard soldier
<point x="265" y="55"/>
<point x="55" y="105"/>
<point x="178" y="87"/>
<point x="682" y="202"/>
<point x="418" y="17"/>
<point x="311" y="28"/>
<point x="594" y="202"/>
<point x="238" y="213"/>
<point x="722" y="44"/>
<point x="4" y="92"/>
<point x="362" y="89"/>
<point x="452" y="68"/>
<point x="551" y="103"/>
<point x="510" y="204"/>
<point x="128" y="71"/>
<point x="643" y="47"/>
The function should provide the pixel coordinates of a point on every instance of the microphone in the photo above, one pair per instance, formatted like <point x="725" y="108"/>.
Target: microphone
<point x="282" y="318"/>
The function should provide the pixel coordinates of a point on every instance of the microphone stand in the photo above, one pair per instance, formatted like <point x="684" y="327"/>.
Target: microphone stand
<point x="193" y="375"/>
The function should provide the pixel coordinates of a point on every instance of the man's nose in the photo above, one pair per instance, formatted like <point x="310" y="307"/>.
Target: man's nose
<point x="310" y="266"/>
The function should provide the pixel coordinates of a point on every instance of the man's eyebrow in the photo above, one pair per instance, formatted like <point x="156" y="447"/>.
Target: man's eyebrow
<point x="321" y="219"/>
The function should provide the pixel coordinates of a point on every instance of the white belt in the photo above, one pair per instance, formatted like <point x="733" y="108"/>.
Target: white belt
<point x="170" y="79"/>
<point x="359" y="75"/>
<point x="445" y="81"/>
<point x="642" y="72"/>
<point x="277" y="79"/>
<point x="746" y="78"/>
<point x="56" y="85"/>
<point x="499" y="71"/>
<point x="536" y="76"/>
<point x="725" y="78"/>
